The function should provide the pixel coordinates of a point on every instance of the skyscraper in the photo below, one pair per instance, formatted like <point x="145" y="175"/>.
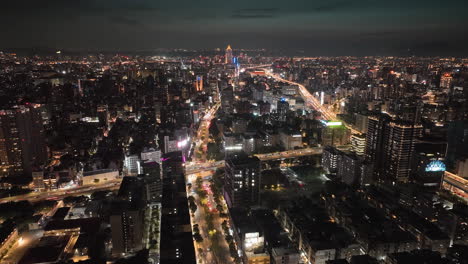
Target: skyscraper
<point x="228" y="55"/>
<point x="22" y="142"/>
<point x="374" y="138"/>
<point x="399" y="141"/>
<point x="390" y="147"/>
<point x="242" y="181"/>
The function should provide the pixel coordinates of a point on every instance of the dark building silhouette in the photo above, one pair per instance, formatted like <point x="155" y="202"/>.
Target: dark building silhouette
<point x="242" y="181"/>
<point x="22" y="142"/>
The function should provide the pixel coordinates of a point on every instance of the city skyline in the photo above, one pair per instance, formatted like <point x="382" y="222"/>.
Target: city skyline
<point x="233" y="132"/>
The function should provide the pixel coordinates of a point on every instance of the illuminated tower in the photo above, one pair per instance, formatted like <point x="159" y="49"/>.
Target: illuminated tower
<point x="228" y="55"/>
<point x="199" y="83"/>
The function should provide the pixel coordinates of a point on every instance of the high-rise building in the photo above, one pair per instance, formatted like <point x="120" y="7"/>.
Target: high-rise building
<point x="228" y="55"/>
<point x="282" y="108"/>
<point x="126" y="229"/>
<point x="22" y="141"/>
<point x="374" y="139"/>
<point x="242" y="181"/>
<point x="349" y="168"/>
<point x="227" y="99"/>
<point x="457" y="142"/>
<point x="358" y="144"/>
<point x="399" y="138"/>
<point x="390" y="147"/>
<point x="361" y="123"/>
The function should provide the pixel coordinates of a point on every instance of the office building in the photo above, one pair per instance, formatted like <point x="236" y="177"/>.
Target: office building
<point x="242" y="181"/>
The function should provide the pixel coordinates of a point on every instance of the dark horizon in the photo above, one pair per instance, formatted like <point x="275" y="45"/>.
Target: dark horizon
<point x="331" y="28"/>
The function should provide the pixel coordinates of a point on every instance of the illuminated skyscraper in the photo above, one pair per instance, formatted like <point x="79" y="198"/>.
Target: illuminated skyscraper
<point x="228" y="55"/>
<point x="199" y="83"/>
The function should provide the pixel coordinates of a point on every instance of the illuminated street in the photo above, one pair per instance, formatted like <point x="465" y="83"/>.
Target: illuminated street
<point x="214" y="248"/>
<point x="310" y="100"/>
<point x="62" y="193"/>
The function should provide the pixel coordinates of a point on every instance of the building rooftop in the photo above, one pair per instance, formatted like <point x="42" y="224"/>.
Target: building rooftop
<point x="91" y="173"/>
<point x="49" y="250"/>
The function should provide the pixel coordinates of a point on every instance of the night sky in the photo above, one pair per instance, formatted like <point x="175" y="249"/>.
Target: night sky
<point x="329" y="27"/>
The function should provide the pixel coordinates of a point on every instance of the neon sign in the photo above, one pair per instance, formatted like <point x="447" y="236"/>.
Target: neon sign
<point x="435" y="166"/>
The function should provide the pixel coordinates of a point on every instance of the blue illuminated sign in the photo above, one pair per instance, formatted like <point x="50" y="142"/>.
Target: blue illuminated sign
<point x="435" y="166"/>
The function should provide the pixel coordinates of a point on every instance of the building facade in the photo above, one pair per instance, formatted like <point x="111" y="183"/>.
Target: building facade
<point x="242" y="181"/>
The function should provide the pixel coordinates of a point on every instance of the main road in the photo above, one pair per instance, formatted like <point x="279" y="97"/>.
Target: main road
<point x="197" y="167"/>
<point x="310" y="100"/>
<point x="62" y="193"/>
<point x="213" y="249"/>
